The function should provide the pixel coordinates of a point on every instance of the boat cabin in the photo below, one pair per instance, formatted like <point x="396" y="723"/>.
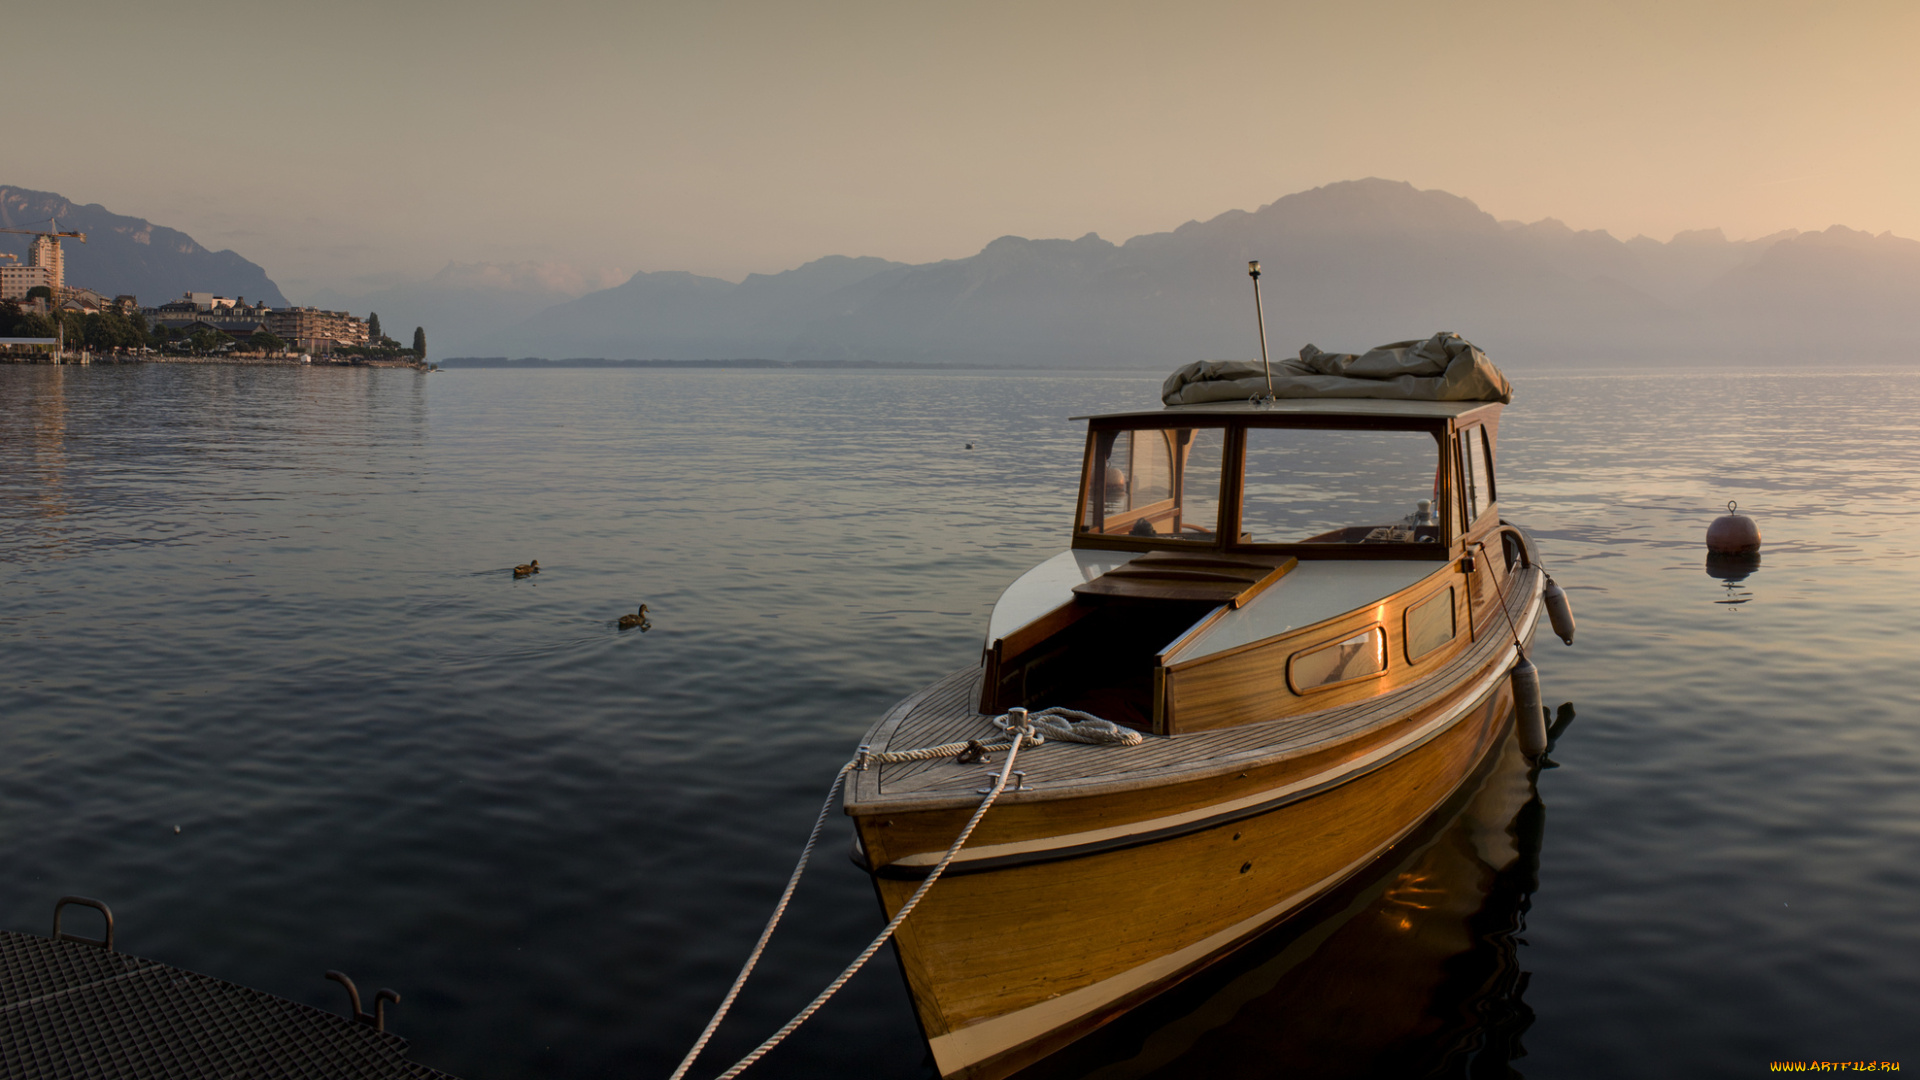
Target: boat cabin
<point x="1206" y="533"/>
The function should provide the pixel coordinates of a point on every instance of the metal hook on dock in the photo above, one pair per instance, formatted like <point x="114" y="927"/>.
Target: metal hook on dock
<point x="378" y="1017"/>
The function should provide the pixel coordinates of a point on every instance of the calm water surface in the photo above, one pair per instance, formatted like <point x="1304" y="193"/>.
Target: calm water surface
<point x="273" y="608"/>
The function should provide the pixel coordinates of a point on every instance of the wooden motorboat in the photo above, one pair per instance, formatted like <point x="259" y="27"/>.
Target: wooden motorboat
<point x="1309" y="609"/>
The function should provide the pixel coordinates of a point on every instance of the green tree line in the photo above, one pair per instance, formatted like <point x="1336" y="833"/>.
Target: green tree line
<point x="101" y="330"/>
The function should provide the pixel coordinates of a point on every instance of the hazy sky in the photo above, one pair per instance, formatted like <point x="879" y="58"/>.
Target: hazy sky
<point x="347" y="144"/>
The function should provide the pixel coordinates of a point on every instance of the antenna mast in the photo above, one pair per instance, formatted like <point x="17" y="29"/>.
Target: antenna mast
<point x="1253" y="271"/>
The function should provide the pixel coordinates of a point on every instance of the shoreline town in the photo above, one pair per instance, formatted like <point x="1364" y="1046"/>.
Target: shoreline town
<point x="44" y="320"/>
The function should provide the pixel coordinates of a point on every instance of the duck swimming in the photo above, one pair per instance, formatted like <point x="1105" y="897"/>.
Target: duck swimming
<point x="527" y="569"/>
<point x="628" y="622"/>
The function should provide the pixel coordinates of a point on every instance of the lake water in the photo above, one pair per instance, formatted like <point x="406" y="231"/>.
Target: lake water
<point x="273" y="608"/>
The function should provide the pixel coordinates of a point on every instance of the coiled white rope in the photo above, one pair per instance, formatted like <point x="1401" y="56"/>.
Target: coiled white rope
<point x="1072" y="725"/>
<point x="1023" y="729"/>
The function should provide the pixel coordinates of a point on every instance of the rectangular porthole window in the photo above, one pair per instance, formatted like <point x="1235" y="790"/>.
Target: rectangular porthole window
<point x="1430" y="624"/>
<point x="1351" y="658"/>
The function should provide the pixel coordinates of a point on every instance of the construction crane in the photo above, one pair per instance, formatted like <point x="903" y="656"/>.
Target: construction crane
<point x="53" y="232"/>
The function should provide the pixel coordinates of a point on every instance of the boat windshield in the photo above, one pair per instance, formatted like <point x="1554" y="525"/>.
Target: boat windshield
<point x="1155" y="482"/>
<point x="1321" y="486"/>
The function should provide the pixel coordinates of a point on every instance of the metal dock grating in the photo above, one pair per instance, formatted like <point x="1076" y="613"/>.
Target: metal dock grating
<point x="70" y="1010"/>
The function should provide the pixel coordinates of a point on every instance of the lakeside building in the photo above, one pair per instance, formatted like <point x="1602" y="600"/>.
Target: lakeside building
<point x="304" y="329"/>
<point x="46" y="253"/>
<point x="46" y="265"/>
<point x="15" y="281"/>
<point x="80" y="299"/>
<point x="204" y="311"/>
<point x="315" y="331"/>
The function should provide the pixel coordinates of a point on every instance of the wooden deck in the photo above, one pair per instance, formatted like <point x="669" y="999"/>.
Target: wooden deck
<point x="946" y="712"/>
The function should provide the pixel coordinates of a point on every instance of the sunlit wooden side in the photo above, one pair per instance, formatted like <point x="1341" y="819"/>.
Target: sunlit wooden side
<point x="1249" y="684"/>
<point x="1096" y="932"/>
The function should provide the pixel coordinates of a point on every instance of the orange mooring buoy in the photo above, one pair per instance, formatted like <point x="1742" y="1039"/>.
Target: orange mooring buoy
<point x="1734" y="534"/>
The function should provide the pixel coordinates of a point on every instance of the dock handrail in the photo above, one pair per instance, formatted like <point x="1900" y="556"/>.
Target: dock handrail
<point x="83" y="901"/>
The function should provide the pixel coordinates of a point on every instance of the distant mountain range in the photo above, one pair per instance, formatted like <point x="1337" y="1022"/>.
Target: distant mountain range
<point x="129" y="254"/>
<point x="676" y="315"/>
<point x="1346" y="266"/>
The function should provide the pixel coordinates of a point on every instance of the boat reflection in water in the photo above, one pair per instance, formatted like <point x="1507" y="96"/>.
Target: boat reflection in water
<point x="1409" y="970"/>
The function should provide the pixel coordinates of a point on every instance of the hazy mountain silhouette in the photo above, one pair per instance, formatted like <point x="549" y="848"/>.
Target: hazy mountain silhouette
<point x="1347" y="265"/>
<point x="1834" y="291"/>
<point x="466" y="305"/>
<point x="673" y="314"/>
<point x="131" y="255"/>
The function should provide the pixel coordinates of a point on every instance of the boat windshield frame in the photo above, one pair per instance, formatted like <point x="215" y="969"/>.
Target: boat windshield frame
<point x="1227" y="536"/>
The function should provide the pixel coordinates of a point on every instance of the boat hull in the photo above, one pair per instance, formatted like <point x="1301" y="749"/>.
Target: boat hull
<point x="1010" y="959"/>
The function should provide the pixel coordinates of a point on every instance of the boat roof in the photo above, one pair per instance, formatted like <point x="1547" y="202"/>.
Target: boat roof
<point x="1307" y="406"/>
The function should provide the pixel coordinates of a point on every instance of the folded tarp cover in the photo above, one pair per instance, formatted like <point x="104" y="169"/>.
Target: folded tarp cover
<point x="1445" y="367"/>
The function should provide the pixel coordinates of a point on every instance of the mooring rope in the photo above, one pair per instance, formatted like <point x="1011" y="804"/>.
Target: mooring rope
<point x="1023" y="729"/>
<point x="779" y="909"/>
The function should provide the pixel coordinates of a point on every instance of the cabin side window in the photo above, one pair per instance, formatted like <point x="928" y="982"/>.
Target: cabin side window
<point x="1429" y="624"/>
<point x="1357" y="657"/>
<point x="1477" y="474"/>
<point x="1327" y="486"/>
<point x="1161" y="483"/>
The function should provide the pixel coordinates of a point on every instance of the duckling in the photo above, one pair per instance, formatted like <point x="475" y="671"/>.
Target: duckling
<point x="628" y="622"/>
<point x="527" y="569"/>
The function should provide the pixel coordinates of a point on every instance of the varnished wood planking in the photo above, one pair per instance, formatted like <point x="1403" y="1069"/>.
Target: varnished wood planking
<point x="1057" y="812"/>
<point x="890" y="837"/>
<point x="1249" y="683"/>
<point x="1489" y="579"/>
<point x="1090" y="918"/>
<point x="1180" y="576"/>
<point x="996" y="1066"/>
<point x="943" y="713"/>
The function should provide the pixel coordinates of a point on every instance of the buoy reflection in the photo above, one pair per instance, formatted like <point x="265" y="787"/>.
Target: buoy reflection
<point x="1732" y="569"/>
